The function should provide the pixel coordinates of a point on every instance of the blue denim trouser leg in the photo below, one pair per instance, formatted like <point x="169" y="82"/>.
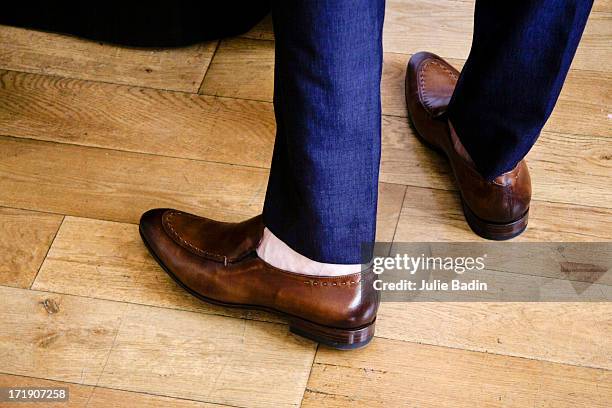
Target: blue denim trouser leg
<point x="322" y="191"/>
<point x="521" y="52"/>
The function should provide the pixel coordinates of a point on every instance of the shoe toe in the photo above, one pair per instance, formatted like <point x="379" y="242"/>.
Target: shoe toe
<point x="151" y="225"/>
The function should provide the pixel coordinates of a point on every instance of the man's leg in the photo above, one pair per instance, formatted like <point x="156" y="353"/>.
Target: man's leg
<point x="487" y="118"/>
<point x="520" y="56"/>
<point x="321" y="200"/>
<point x="322" y="192"/>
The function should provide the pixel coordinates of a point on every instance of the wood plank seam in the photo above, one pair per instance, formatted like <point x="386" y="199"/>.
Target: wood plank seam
<point x="110" y="351"/>
<point x="96" y="81"/>
<point x="408" y="55"/>
<point x="207" y="68"/>
<point x="227" y="98"/>
<point x="384" y="182"/>
<point x="125" y="319"/>
<point x="16" y="138"/>
<point x="94" y="387"/>
<point x="395" y="53"/>
<point x="536" y="200"/>
<point x="110" y="149"/>
<point x="314" y="358"/>
<point x="48" y="249"/>
<point x="285" y="324"/>
<point x="176" y="309"/>
<point x="199" y="312"/>
<point x="70" y="56"/>
<point x="398" y="218"/>
<point x="492" y="353"/>
<point x="432" y="188"/>
<point x="603" y="370"/>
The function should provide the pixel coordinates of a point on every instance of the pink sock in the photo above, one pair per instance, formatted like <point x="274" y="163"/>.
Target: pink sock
<point x="278" y="254"/>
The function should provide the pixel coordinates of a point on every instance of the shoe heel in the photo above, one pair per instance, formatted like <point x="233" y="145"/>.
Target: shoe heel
<point x="341" y="339"/>
<point x="493" y="231"/>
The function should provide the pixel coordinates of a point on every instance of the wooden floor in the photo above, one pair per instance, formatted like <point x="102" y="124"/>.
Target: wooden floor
<point x="92" y="135"/>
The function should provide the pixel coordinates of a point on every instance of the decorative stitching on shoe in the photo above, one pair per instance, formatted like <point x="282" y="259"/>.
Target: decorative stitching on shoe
<point x="200" y="251"/>
<point x="423" y="83"/>
<point x="343" y="283"/>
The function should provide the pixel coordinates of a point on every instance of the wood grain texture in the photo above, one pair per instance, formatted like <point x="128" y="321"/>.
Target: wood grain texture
<point x="78" y="394"/>
<point x="564" y="168"/>
<point x="25" y="238"/>
<point x="582" y="108"/>
<point x="88" y="396"/>
<point x="579" y="334"/>
<point x="245" y="69"/>
<point x="598" y="5"/>
<point x="392" y="373"/>
<point x="602" y="5"/>
<point x="117" y="132"/>
<point x="442" y="27"/>
<point x="430" y="215"/>
<point x="445" y="28"/>
<point x="110" y="398"/>
<point x="390" y="201"/>
<point x="55" y="336"/>
<point x="120" y="186"/>
<point x="180" y="69"/>
<point x="264" y="30"/>
<point x="241" y="68"/>
<point x="197" y="127"/>
<point x="136" y="119"/>
<point x="107" y="260"/>
<point x="153" y="350"/>
<point x="208" y="358"/>
<point x="583" y="105"/>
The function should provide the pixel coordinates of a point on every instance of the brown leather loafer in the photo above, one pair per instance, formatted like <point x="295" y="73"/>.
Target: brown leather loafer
<point x="496" y="209"/>
<point x="217" y="263"/>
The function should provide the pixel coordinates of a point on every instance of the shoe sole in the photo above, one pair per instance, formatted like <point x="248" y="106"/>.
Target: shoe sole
<point x="493" y="231"/>
<point x="340" y="339"/>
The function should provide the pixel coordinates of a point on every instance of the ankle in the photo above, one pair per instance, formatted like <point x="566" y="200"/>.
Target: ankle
<point x="278" y="254"/>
